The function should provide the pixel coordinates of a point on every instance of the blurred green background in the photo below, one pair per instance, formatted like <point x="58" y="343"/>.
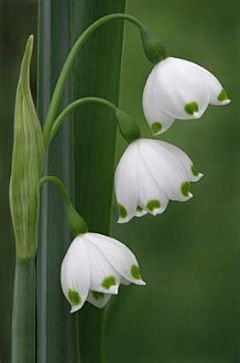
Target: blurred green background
<point x="189" y="312"/>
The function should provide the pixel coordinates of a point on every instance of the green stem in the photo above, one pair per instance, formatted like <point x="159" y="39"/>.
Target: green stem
<point x="56" y="98"/>
<point x="72" y="106"/>
<point x="59" y="184"/>
<point x="76" y="222"/>
<point x="23" y="319"/>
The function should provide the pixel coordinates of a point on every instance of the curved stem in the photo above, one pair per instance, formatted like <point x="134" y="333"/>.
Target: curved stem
<point x="76" y="222"/>
<point x="55" y="101"/>
<point x="72" y="106"/>
<point x="59" y="184"/>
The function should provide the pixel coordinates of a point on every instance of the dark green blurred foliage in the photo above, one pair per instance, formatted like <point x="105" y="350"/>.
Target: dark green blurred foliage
<point x="189" y="312"/>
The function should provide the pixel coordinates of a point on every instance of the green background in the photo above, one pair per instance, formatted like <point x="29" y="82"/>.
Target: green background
<point x="189" y="312"/>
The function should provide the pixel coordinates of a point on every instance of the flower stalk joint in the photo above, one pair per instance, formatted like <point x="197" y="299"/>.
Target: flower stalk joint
<point x="153" y="46"/>
<point x="128" y="128"/>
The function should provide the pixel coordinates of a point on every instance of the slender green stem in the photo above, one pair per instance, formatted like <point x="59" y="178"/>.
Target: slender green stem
<point x="76" y="222"/>
<point x="23" y="318"/>
<point x="56" y="98"/>
<point x="72" y="106"/>
<point x="59" y="184"/>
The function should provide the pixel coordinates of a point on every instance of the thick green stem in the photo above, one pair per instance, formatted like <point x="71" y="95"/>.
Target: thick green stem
<point x="56" y="327"/>
<point x="56" y="98"/>
<point x="96" y="72"/>
<point x="24" y="309"/>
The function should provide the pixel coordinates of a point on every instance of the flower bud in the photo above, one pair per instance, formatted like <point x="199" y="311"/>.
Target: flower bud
<point x="27" y="163"/>
<point x="153" y="46"/>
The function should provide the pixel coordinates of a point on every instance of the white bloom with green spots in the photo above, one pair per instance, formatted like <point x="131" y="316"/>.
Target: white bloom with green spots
<point x="149" y="174"/>
<point x="94" y="267"/>
<point x="179" y="89"/>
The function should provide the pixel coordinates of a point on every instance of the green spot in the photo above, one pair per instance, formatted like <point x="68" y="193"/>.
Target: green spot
<point x="139" y="209"/>
<point x="223" y="95"/>
<point x="185" y="187"/>
<point x="122" y="211"/>
<point x="192" y="107"/>
<point x="153" y="204"/>
<point x="156" y="127"/>
<point x="108" y="282"/>
<point x="194" y="171"/>
<point x="135" y="272"/>
<point x="97" y="295"/>
<point x="74" y="297"/>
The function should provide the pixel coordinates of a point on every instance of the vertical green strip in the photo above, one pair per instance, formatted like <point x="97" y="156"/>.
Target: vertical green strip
<point x="23" y="315"/>
<point x="55" y="324"/>
<point x="96" y="73"/>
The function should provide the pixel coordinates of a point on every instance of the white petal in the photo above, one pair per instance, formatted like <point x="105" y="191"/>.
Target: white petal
<point x="75" y="274"/>
<point x="214" y="86"/>
<point x="120" y="257"/>
<point x="192" y="174"/>
<point x="181" y="90"/>
<point x="126" y="185"/>
<point x="98" y="299"/>
<point x="165" y="169"/>
<point x="157" y="119"/>
<point x="151" y="197"/>
<point x="104" y="278"/>
<point x="140" y="212"/>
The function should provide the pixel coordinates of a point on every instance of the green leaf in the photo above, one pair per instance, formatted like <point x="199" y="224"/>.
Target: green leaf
<point x="27" y="163"/>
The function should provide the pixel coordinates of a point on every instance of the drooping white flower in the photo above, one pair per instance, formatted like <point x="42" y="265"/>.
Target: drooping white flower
<point x="93" y="268"/>
<point x="180" y="89"/>
<point x="149" y="174"/>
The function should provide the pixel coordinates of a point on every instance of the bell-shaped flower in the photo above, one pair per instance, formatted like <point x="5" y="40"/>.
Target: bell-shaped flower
<point x="180" y="89"/>
<point x="94" y="267"/>
<point x="149" y="174"/>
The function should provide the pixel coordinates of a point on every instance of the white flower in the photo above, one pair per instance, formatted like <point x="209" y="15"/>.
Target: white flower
<point x="93" y="268"/>
<point x="150" y="173"/>
<point x="180" y="89"/>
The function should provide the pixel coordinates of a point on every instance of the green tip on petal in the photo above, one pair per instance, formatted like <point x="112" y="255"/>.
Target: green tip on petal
<point x="194" y="171"/>
<point x="74" y="297"/>
<point x="153" y="204"/>
<point x="156" y="127"/>
<point x="185" y="188"/>
<point x="97" y="295"/>
<point x="122" y="211"/>
<point x="135" y="272"/>
<point x="223" y="95"/>
<point x="139" y="209"/>
<point x="191" y="108"/>
<point x="109" y="282"/>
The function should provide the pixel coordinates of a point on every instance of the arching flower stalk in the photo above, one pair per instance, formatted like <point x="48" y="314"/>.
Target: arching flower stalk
<point x="179" y="89"/>
<point x="94" y="265"/>
<point x="149" y="174"/>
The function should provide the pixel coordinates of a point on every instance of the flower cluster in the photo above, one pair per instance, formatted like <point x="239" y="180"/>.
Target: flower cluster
<point x="149" y="174"/>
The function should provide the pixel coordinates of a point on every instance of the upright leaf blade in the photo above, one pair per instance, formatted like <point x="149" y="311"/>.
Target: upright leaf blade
<point x="96" y="73"/>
